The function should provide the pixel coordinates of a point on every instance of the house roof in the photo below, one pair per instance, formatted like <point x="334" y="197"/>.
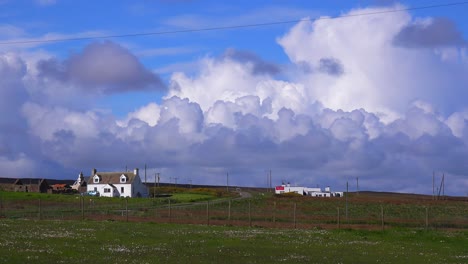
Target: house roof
<point x="27" y="181"/>
<point x="60" y="185"/>
<point x="113" y="177"/>
<point x="8" y="180"/>
<point x="55" y="181"/>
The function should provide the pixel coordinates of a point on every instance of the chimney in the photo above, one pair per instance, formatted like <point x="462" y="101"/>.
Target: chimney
<point x="136" y="172"/>
<point x="93" y="172"/>
<point x="80" y="177"/>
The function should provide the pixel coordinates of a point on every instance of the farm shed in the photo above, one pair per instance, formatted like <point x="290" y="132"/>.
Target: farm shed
<point x="306" y="191"/>
<point x="11" y="184"/>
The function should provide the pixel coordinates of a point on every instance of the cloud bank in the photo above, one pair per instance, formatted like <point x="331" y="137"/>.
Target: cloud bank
<point x="374" y="97"/>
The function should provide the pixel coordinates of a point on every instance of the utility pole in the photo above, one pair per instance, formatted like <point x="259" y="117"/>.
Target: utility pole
<point x="270" y="182"/>
<point x="175" y="181"/>
<point x="433" y="190"/>
<point x="227" y="181"/>
<point x="145" y="173"/>
<point x="357" y="185"/>
<point x="346" y="200"/>
<point x="443" y="186"/>
<point x="158" y="179"/>
<point x="154" y="186"/>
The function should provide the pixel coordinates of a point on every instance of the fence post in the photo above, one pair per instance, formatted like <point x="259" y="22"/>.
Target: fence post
<point x="170" y="215"/>
<point x="1" y="205"/>
<point x="294" y="215"/>
<point x="82" y="207"/>
<point x="155" y="212"/>
<point x="274" y="212"/>
<point x="40" y="209"/>
<point x="126" y="209"/>
<point x="229" y="211"/>
<point x="338" y="218"/>
<point x="207" y="213"/>
<point x="382" y="217"/>
<point x="427" y="217"/>
<point x="250" y="216"/>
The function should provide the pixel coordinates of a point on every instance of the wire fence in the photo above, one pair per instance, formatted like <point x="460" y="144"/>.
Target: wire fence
<point x="280" y="213"/>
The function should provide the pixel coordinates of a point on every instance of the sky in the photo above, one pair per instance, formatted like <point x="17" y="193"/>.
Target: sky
<point x="372" y="90"/>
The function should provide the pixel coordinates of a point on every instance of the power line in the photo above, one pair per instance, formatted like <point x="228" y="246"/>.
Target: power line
<point x="231" y="27"/>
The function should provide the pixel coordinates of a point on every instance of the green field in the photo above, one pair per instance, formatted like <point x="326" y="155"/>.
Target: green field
<point x="30" y="241"/>
<point x="217" y="207"/>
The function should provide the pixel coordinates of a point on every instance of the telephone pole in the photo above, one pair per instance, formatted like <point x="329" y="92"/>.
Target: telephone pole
<point x="357" y="185"/>
<point x="227" y="181"/>
<point x="154" y="186"/>
<point x="433" y="185"/>
<point x="346" y="200"/>
<point x="270" y="182"/>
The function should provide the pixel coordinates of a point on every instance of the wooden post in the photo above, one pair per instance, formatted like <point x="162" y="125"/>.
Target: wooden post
<point x="229" y="211"/>
<point x="207" y="213"/>
<point x="155" y="212"/>
<point x="82" y="207"/>
<point x="40" y="209"/>
<point x="274" y="212"/>
<point x="427" y="217"/>
<point x="382" y="217"/>
<point x="338" y="218"/>
<point x="126" y="209"/>
<point x="294" y="215"/>
<point x="1" y="205"/>
<point x="170" y="216"/>
<point x="250" y="216"/>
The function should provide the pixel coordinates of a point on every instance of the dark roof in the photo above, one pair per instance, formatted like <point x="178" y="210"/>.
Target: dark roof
<point x="112" y="177"/>
<point x="7" y="180"/>
<point x="60" y="185"/>
<point x="56" y="181"/>
<point x="27" y="181"/>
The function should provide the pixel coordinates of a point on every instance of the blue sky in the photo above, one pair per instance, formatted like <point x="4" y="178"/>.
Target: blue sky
<point x="380" y="97"/>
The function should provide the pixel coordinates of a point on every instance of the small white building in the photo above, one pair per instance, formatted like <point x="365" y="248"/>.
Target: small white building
<point x="117" y="184"/>
<point x="306" y="191"/>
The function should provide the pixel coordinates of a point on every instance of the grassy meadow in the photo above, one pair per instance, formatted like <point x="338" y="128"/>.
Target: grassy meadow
<point x="31" y="241"/>
<point x="260" y="209"/>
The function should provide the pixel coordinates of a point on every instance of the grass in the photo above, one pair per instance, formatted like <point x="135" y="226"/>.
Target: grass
<point x="189" y="206"/>
<point x="191" y="197"/>
<point x="27" y="241"/>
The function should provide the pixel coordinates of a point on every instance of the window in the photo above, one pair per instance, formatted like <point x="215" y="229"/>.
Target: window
<point x="95" y="189"/>
<point x="96" y="179"/>
<point x="107" y="190"/>
<point x="123" y="179"/>
<point x="122" y="189"/>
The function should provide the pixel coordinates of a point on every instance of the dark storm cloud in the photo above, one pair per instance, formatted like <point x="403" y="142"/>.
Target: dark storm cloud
<point x="438" y="33"/>
<point x="259" y="66"/>
<point x="331" y="66"/>
<point x="104" y="66"/>
<point x="13" y="128"/>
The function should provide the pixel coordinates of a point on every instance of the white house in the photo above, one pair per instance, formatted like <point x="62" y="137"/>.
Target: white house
<point x="314" y="192"/>
<point x="80" y="183"/>
<point x="117" y="184"/>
